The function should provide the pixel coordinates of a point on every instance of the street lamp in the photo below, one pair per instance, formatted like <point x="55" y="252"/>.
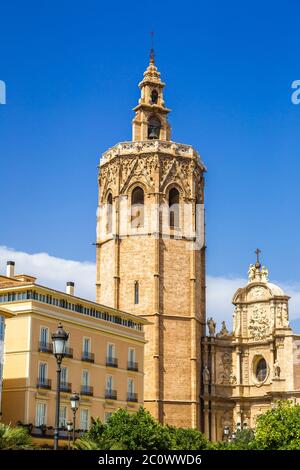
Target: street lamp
<point x="59" y="339"/>
<point x="74" y="399"/>
<point x="226" y="432"/>
<point x="69" y="428"/>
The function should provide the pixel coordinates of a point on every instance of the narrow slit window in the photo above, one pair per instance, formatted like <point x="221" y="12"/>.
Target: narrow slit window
<point x="109" y="207"/>
<point x="174" y="208"/>
<point x="137" y="207"/>
<point x="136" y="292"/>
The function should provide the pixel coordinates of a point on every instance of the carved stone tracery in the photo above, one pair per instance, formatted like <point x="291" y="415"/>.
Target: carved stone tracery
<point x="225" y="374"/>
<point x="259" y="324"/>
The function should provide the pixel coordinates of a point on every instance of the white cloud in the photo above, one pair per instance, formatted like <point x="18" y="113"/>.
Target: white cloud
<point x="55" y="272"/>
<point x="220" y="291"/>
<point x="51" y="271"/>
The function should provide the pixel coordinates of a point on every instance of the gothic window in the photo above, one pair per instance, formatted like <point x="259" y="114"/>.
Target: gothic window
<point x="137" y="207"/>
<point x="154" y="97"/>
<point x="136" y="292"/>
<point x="261" y="370"/>
<point x="154" y="126"/>
<point x="109" y="213"/>
<point x="174" y="208"/>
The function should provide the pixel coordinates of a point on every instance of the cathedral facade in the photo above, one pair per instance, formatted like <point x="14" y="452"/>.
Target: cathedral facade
<point x="247" y="370"/>
<point x="151" y="251"/>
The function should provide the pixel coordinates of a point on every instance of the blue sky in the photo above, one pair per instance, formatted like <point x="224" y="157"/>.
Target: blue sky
<point x="71" y="71"/>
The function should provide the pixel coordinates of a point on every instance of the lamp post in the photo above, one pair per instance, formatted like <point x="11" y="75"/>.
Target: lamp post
<point x="231" y="434"/>
<point x="59" y="339"/>
<point x="69" y="428"/>
<point x="226" y="433"/>
<point x="74" y="399"/>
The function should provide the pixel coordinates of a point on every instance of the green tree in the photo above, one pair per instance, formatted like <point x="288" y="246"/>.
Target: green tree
<point x="14" y="438"/>
<point x="138" y="431"/>
<point x="187" y="439"/>
<point x="243" y="441"/>
<point x="278" y="428"/>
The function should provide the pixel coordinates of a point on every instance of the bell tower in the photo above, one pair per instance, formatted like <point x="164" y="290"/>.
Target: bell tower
<point x="151" y="119"/>
<point x="151" y="251"/>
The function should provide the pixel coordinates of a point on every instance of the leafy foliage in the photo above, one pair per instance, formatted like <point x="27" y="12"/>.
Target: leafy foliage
<point x="244" y="441"/>
<point x="14" y="438"/>
<point x="187" y="439"/>
<point x="138" y="431"/>
<point x="279" y="428"/>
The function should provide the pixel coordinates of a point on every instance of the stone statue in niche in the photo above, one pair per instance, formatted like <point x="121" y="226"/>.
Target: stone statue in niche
<point x="276" y="369"/>
<point x="206" y="375"/>
<point x="211" y="326"/>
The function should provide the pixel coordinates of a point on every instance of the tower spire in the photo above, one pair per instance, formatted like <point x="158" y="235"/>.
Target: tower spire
<point x="151" y="114"/>
<point x="152" y="48"/>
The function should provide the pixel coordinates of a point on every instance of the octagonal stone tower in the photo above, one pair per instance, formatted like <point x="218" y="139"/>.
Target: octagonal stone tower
<point x="151" y="251"/>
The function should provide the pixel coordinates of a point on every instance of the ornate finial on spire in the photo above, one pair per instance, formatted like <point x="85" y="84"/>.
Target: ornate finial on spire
<point x="152" y="48"/>
<point x="257" y="264"/>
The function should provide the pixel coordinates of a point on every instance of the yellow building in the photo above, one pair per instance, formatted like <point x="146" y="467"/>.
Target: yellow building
<point x="4" y="314"/>
<point x="104" y="363"/>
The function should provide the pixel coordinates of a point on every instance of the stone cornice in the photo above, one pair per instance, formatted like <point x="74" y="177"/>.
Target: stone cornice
<point x="133" y="148"/>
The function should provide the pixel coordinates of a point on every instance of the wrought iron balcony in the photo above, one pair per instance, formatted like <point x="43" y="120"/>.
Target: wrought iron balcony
<point x="111" y="394"/>
<point x="112" y="362"/>
<point x="132" y="366"/>
<point x="45" y="347"/>
<point x="88" y="357"/>
<point x="65" y="387"/>
<point x="132" y="397"/>
<point x="43" y="383"/>
<point x="87" y="390"/>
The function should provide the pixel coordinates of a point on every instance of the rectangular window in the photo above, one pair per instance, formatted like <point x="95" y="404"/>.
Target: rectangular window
<point x="85" y="378"/>
<point x="131" y="355"/>
<point x="130" y="387"/>
<point x="86" y="345"/>
<point x="44" y="335"/>
<point x="84" y="419"/>
<point x="40" y="414"/>
<point x="64" y="375"/>
<point x="63" y="416"/>
<point x="110" y="351"/>
<point x="42" y="372"/>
